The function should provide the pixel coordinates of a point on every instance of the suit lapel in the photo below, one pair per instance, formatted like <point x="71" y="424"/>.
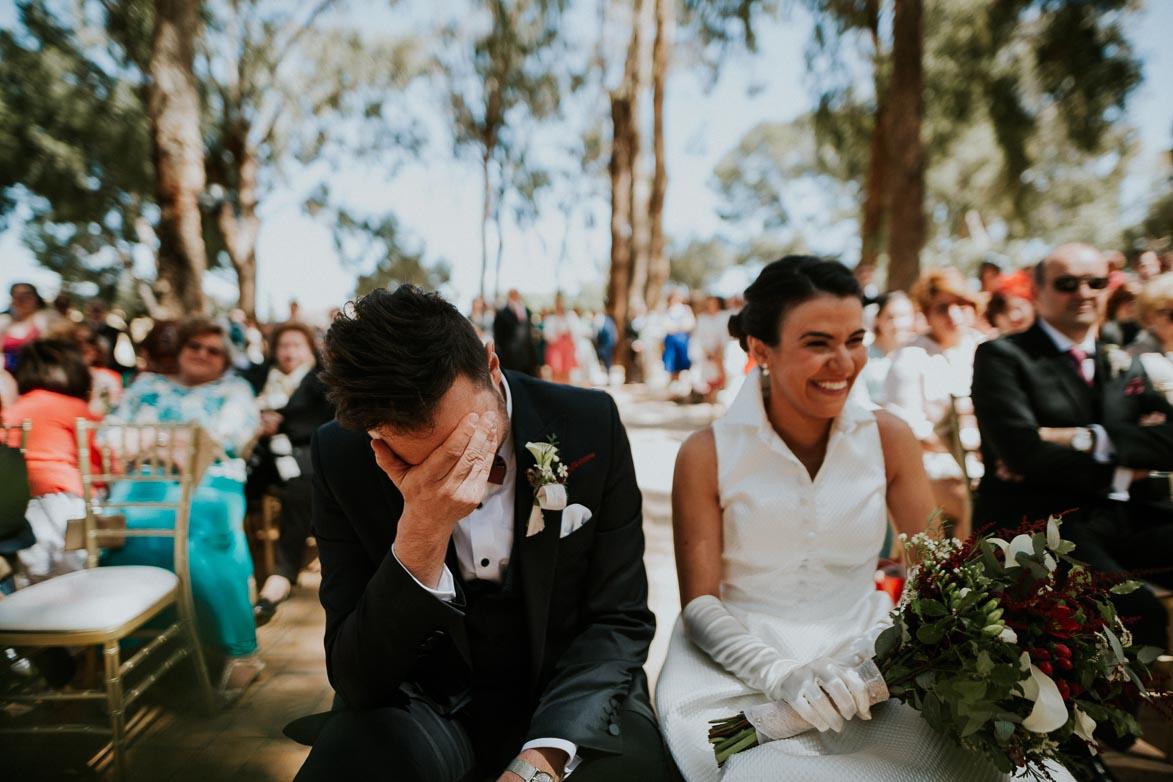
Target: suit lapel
<point x="533" y="566"/>
<point x="1059" y="364"/>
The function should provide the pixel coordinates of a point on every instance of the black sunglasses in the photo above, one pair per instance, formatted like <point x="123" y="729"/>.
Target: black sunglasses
<point x="1069" y="283"/>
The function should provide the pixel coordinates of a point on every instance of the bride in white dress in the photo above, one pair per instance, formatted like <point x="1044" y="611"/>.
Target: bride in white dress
<point x="779" y="512"/>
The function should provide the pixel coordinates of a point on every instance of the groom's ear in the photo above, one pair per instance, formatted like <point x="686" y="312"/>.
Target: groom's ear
<point x="494" y="362"/>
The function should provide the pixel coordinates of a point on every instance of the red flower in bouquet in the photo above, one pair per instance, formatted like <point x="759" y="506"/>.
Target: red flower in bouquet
<point x="1011" y="648"/>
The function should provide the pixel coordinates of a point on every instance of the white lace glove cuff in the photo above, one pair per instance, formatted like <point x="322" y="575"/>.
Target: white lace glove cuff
<point x="710" y="626"/>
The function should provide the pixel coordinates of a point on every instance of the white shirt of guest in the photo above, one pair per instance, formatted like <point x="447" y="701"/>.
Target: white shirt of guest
<point x="484" y="542"/>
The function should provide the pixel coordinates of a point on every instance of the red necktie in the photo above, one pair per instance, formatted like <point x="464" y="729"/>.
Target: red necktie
<point x="1078" y="355"/>
<point x="497" y="471"/>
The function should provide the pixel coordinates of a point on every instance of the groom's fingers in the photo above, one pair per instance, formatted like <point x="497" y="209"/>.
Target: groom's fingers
<point x="477" y="451"/>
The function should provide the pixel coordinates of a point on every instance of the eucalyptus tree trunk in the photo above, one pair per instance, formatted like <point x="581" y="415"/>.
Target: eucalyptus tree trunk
<point x="658" y="269"/>
<point x="634" y="82"/>
<point x="173" y="105"/>
<point x="875" y="205"/>
<point x="906" y="231"/>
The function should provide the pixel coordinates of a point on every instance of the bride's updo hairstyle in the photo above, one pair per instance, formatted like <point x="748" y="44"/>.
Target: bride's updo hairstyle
<point x="785" y="284"/>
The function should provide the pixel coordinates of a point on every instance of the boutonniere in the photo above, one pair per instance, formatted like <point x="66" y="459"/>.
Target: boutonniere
<point x="548" y="479"/>
<point x="1119" y="361"/>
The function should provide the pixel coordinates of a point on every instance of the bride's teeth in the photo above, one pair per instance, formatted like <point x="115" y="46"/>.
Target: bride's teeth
<point x="837" y="386"/>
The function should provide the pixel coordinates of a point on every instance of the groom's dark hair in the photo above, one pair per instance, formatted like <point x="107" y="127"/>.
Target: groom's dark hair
<point x="785" y="284"/>
<point x="392" y="355"/>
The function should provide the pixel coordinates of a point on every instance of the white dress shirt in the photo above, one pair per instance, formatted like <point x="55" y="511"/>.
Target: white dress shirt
<point x="484" y="542"/>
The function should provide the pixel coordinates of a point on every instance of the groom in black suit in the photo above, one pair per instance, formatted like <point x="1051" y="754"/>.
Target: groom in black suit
<point x="470" y="634"/>
<point x="1067" y="423"/>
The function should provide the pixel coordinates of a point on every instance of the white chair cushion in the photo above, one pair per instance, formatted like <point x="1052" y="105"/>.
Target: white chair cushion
<point x="93" y="600"/>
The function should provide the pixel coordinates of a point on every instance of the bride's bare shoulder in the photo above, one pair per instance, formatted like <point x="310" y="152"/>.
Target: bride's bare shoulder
<point x="699" y="450"/>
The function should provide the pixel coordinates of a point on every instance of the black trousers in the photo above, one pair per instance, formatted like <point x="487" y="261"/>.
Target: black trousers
<point x="296" y="519"/>
<point x="415" y="743"/>
<point x="1111" y="543"/>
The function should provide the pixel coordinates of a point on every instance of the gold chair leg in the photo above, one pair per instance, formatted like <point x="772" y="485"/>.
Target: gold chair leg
<point x="115" y="705"/>
<point x="186" y="607"/>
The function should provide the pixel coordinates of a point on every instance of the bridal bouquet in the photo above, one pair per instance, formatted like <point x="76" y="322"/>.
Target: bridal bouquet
<point x="1009" y="648"/>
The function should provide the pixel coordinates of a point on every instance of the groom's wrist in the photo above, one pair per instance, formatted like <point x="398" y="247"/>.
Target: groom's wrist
<point x="421" y="551"/>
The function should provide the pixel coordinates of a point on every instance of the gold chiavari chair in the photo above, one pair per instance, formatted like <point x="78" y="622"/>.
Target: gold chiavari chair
<point x="101" y="606"/>
<point x="16" y="435"/>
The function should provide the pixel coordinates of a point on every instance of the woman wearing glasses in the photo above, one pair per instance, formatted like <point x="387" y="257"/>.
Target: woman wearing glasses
<point x="201" y="390"/>
<point x="928" y="373"/>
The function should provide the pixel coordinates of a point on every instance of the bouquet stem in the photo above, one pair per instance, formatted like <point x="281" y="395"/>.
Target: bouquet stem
<point x="730" y="736"/>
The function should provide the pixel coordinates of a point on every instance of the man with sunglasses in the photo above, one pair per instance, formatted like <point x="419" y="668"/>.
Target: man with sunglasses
<point x="1067" y="423"/>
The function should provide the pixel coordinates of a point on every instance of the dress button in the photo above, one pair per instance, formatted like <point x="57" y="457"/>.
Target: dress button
<point x="613" y="729"/>
<point x="485" y="562"/>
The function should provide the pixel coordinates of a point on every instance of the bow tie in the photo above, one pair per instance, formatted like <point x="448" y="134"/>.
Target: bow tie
<point x="497" y="471"/>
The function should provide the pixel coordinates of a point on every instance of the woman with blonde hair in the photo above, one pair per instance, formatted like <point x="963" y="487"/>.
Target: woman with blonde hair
<point x="932" y="371"/>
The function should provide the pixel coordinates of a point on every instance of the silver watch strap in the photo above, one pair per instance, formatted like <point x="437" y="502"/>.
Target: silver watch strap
<point x="522" y="769"/>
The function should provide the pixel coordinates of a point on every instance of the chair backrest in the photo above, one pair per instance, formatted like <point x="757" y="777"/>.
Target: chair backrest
<point x="16" y="435"/>
<point x="111" y="454"/>
<point x="964" y="440"/>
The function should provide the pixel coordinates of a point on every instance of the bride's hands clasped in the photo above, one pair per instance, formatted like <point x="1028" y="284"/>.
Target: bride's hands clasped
<point x="826" y="693"/>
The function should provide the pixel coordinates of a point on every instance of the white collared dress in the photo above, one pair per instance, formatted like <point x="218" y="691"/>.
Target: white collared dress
<point x="798" y="567"/>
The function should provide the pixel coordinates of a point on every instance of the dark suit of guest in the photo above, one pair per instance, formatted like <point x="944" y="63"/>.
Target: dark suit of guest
<point x="513" y="340"/>
<point x="555" y="650"/>
<point x="1024" y="381"/>
<point x="306" y="410"/>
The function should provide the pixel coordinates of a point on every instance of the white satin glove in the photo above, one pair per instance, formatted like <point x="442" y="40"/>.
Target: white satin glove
<point x="709" y="625"/>
<point x="826" y="693"/>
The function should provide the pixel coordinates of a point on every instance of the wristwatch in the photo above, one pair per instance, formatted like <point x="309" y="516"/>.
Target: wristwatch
<point x="528" y="772"/>
<point x="1083" y="439"/>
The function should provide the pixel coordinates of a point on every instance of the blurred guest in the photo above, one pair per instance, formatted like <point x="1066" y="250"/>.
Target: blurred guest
<point x="558" y="329"/>
<point x="294" y="311"/>
<point x="1155" y="312"/>
<point x="929" y="373"/>
<point x="606" y="338"/>
<point x="54" y="385"/>
<point x="893" y="327"/>
<point x="293" y="405"/>
<point x="27" y="319"/>
<point x="1148" y="265"/>
<point x="202" y="391"/>
<point x="513" y="336"/>
<point x="1120" y="326"/>
<point x="1010" y="309"/>
<point x="111" y="329"/>
<point x="107" y="384"/>
<point x="159" y="350"/>
<point x="481" y="317"/>
<point x="678" y="322"/>
<point x="707" y="348"/>
<point x="989" y="276"/>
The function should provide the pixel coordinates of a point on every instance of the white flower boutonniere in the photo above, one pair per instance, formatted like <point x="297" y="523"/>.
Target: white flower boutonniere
<point x="1119" y="360"/>
<point x="548" y="479"/>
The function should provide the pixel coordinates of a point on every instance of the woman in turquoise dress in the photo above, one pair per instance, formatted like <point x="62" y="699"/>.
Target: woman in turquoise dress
<point x="223" y="405"/>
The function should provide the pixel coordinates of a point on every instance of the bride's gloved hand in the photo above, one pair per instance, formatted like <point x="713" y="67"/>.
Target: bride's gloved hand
<point x="710" y="626"/>
<point x="826" y="693"/>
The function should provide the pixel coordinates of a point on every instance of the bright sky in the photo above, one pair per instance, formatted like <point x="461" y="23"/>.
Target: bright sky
<point x="437" y="199"/>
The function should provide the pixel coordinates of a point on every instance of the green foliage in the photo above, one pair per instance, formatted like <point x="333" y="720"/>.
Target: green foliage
<point x="74" y="147"/>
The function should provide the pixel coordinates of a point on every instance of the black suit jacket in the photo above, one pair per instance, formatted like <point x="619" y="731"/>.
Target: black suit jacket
<point x="1022" y="382"/>
<point x="584" y="596"/>
<point x="514" y="342"/>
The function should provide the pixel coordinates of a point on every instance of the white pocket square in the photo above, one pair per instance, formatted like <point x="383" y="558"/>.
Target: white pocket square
<point x="573" y="517"/>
